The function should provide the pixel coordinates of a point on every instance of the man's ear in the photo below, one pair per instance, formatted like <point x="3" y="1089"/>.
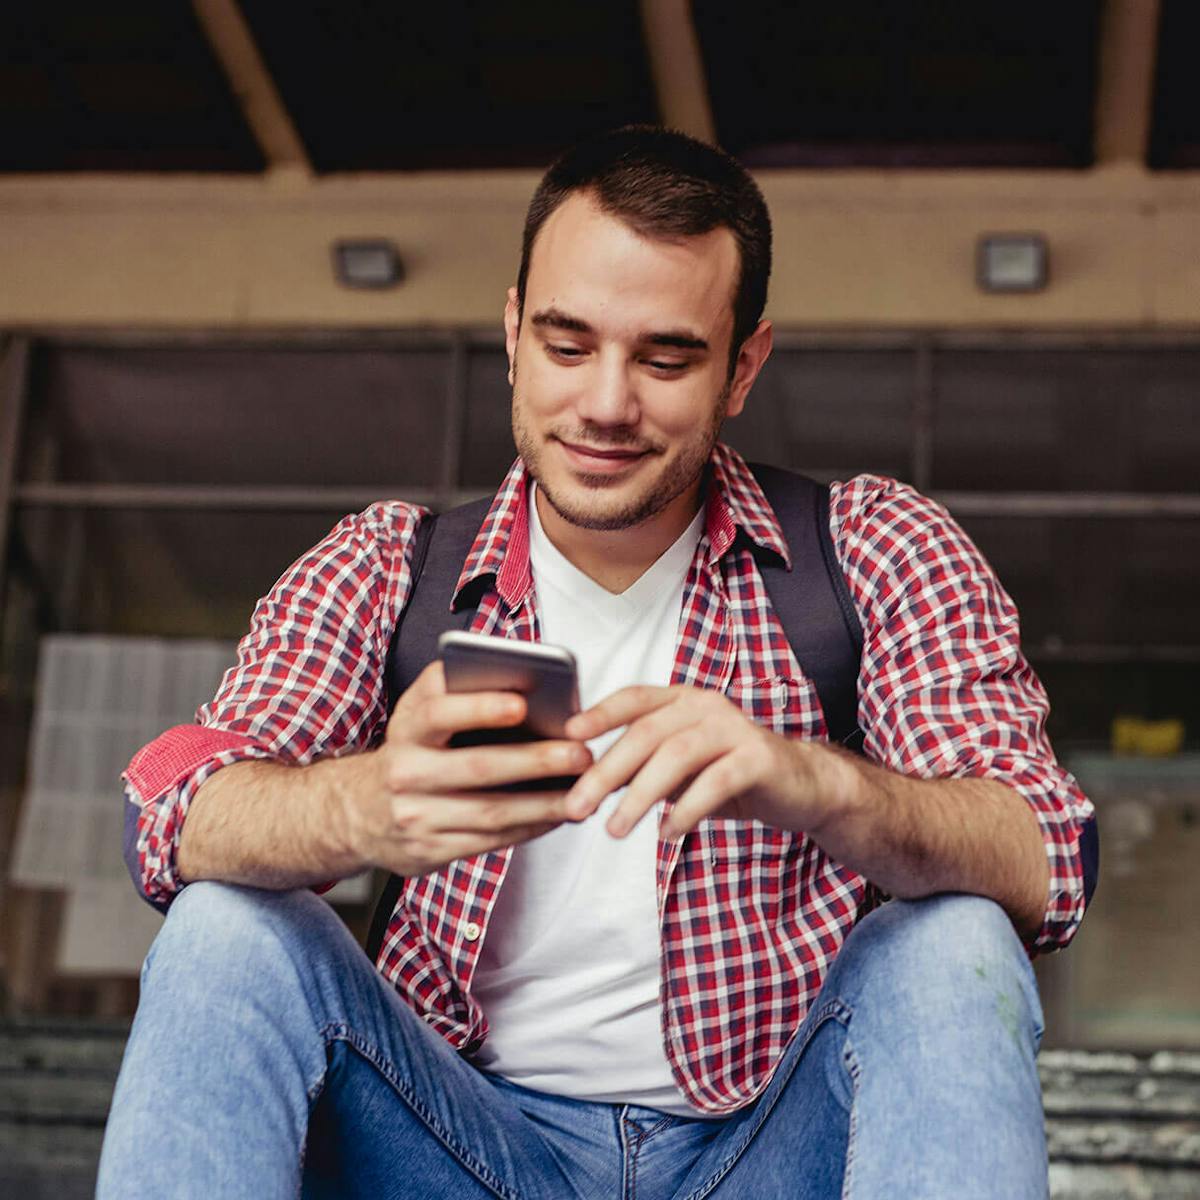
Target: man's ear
<point x="512" y="327"/>
<point x="754" y="352"/>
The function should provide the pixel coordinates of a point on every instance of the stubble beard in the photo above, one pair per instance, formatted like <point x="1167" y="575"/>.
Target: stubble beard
<point x="590" y="511"/>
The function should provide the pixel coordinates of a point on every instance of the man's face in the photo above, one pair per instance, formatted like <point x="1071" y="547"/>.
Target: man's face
<point x="619" y="364"/>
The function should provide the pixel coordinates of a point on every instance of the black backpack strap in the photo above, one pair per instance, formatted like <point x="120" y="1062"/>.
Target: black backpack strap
<point x="441" y="547"/>
<point x="812" y="600"/>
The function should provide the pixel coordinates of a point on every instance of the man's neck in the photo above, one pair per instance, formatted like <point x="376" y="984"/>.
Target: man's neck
<point x="617" y="558"/>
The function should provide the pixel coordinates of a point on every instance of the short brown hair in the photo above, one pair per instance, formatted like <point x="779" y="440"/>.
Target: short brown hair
<point x="665" y="184"/>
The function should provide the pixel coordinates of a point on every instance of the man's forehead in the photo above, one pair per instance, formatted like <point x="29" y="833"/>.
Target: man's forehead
<point x="581" y="240"/>
<point x="583" y="207"/>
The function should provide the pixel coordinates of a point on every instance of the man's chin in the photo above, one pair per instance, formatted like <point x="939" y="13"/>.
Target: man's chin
<point x="595" y="502"/>
<point x="584" y="481"/>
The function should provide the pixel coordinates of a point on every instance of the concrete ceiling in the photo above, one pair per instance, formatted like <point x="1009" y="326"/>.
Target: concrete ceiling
<point x="243" y="85"/>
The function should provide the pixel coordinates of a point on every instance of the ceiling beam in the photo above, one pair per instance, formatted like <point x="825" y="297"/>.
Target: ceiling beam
<point x="677" y="67"/>
<point x="255" y="90"/>
<point x="1125" y="87"/>
<point x="888" y="249"/>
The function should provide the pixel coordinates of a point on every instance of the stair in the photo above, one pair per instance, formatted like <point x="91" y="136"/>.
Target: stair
<point x="56" y="1082"/>
<point x="1118" y="1126"/>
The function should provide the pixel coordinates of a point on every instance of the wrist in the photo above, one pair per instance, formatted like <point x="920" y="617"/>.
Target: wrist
<point x="345" y="786"/>
<point x="838" y="785"/>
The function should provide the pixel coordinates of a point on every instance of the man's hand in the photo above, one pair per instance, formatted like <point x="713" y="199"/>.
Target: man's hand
<point x="911" y="837"/>
<point x="700" y="748"/>
<point x="416" y="804"/>
<point x="411" y="805"/>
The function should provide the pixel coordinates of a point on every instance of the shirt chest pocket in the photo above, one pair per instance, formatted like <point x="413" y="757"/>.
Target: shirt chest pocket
<point x="786" y="706"/>
<point x="783" y="704"/>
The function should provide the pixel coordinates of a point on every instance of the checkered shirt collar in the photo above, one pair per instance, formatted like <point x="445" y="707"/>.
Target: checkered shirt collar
<point x="735" y="502"/>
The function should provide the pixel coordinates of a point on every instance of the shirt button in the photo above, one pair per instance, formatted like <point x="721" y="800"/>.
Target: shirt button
<point x="471" y="932"/>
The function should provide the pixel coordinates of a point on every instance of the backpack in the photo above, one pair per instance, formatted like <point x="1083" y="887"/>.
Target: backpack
<point x="811" y="600"/>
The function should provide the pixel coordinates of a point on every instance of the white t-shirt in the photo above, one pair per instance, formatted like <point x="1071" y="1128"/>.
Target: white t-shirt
<point x="568" y="975"/>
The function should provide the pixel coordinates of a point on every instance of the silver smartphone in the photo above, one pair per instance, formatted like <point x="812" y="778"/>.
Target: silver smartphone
<point x="545" y="675"/>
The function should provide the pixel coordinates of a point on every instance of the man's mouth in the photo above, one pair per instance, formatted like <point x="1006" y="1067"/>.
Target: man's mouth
<point x="601" y="459"/>
<point x="618" y="452"/>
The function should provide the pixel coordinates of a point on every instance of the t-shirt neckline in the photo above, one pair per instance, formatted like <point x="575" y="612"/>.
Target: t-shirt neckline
<point x="670" y="568"/>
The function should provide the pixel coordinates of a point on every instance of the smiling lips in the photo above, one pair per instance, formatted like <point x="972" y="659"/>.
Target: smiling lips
<point x="601" y="462"/>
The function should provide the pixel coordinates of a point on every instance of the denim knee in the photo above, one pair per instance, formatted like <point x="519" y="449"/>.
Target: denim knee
<point x="951" y="957"/>
<point x="213" y="929"/>
<point x="950" y="926"/>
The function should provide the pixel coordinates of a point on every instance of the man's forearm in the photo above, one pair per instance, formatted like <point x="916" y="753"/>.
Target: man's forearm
<point x="269" y="825"/>
<point x="917" y="837"/>
<point x="410" y="806"/>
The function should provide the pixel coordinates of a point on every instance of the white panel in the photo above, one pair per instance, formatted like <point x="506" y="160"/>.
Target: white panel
<point x="99" y="699"/>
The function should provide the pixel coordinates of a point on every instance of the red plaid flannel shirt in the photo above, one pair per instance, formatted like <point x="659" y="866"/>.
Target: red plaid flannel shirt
<point x="751" y="916"/>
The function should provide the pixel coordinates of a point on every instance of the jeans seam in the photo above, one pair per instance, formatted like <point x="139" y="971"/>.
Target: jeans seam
<point x="832" y="1010"/>
<point x="627" y="1136"/>
<point x="633" y="1153"/>
<point x="337" y="1032"/>
<point x="316" y="1090"/>
<point x="854" y="1069"/>
<point x="658" y="1127"/>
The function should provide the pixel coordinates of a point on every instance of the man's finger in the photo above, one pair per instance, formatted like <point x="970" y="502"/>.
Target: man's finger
<point x="436" y="721"/>
<point x="416" y="770"/>
<point x="479" y="767"/>
<point x="430" y="682"/>
<point x="494" y="814"/>
<point x="454" y="846"/>
<point x="678" y="760"/>
<point x="626" y="757"/>
<point x="618" y="709"/>
<point x="721" y="782"/>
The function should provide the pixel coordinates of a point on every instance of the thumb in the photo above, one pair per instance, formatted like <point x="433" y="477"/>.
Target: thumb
<point x="430" y="683"/>
<point x="406" y="715"/>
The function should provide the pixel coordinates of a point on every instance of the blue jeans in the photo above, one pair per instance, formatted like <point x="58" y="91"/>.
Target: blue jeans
<point x="269" y="1059"/>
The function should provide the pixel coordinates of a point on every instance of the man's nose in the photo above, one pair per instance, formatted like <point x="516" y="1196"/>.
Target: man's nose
<point x="609" y="396"/>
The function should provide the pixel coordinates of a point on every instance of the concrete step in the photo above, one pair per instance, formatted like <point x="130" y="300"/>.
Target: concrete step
<point x="1119" y="1126"/>
<point x="1122" y="1126"/>
<point x="56" y="1082"/>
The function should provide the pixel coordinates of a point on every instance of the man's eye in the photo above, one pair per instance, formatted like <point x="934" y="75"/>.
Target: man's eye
<point x="569" y="353"/>
<point x="665" y="367"/>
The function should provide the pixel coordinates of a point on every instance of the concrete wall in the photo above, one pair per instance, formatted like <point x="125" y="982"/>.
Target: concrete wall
<point x="868" y="248"/>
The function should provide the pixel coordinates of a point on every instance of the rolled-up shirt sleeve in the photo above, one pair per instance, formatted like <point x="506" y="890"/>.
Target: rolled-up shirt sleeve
<point x="945" y="691"/>
<point x="308" y="684"/>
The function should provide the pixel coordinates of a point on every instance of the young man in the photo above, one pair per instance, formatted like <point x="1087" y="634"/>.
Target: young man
<point x="664" y="981"/>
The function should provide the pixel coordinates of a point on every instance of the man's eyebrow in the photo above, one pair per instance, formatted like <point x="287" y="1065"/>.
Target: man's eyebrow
<point x="555" y="318"/>
<point x="678" y="338"/>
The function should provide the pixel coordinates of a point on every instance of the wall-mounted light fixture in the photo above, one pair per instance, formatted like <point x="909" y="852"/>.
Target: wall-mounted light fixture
<point x="1012" y="262"/>
<point x="367" y="263"/>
